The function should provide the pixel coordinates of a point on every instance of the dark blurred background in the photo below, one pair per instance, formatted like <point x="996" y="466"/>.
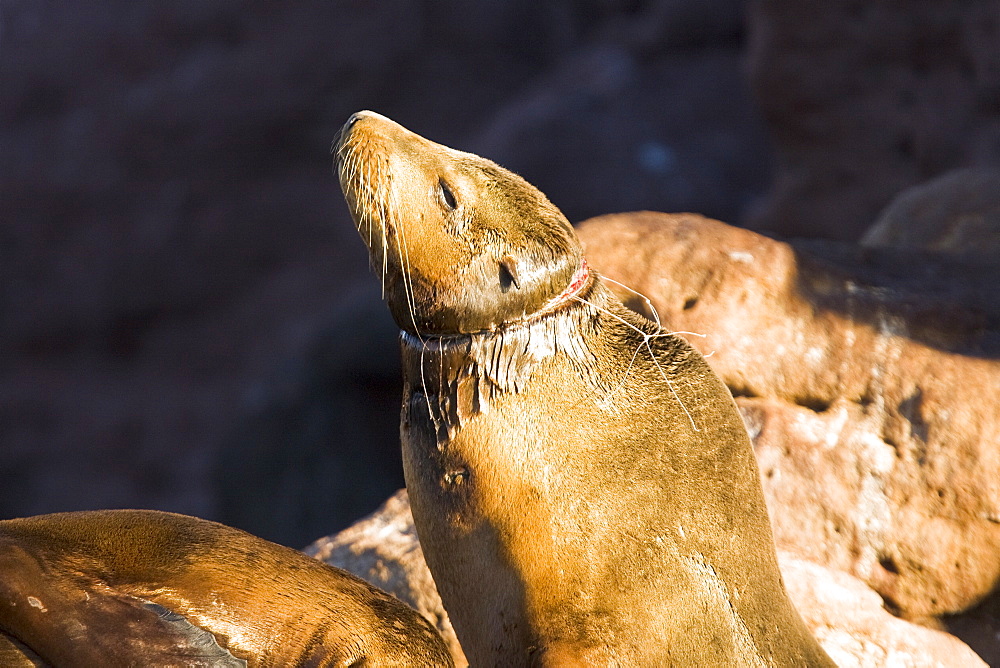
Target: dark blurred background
<point x="187" y="321"/>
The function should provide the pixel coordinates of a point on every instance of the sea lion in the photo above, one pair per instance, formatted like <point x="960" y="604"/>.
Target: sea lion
<point x="583" y="486"/>
<point x="147" y="588"/>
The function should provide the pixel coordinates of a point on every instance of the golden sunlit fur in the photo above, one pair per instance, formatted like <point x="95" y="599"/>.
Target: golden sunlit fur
<point x="583" y="486"/>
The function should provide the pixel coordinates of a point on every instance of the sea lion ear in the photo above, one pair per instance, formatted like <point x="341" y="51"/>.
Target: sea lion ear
<point x="508" y="273"/>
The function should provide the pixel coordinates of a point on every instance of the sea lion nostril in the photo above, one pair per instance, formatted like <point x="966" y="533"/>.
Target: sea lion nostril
<point x="338" y="139"/>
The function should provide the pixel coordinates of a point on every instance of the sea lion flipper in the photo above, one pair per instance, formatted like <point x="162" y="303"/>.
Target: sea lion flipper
<point x="198" y="641"/>
<point x="113" y="630"/>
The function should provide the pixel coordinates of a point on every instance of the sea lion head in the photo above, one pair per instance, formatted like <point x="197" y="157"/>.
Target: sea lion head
<point x="462" y="244"/>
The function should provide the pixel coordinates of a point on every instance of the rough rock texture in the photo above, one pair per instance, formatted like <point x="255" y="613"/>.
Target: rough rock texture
<point x="846" y="616"/>
<point x="176" y="258"/>
<point x="955" y="213"/>
<point x="867" y="97"/>
<point x="849" y="620"/>
<point x="869" y="380"/>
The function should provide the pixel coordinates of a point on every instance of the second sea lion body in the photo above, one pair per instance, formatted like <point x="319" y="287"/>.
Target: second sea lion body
<point x="148" y="588"/>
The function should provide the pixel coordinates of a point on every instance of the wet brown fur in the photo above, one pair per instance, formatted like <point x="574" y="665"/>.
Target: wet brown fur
<point x="92" y="589"/>
<point x="583" y="486"/>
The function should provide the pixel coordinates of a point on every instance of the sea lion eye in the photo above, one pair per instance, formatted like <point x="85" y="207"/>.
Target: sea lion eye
<point x="446" y="195"/>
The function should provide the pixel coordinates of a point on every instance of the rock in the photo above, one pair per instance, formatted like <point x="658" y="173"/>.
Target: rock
<point x="845" y="615"/>
<point x="383" y="549"/>
<point x="865" y="99"/>
<point x="850" y="623"/>
<point x="869" y="380"/>
<point x="955" y="213"/>
<point x="832" y="465"/>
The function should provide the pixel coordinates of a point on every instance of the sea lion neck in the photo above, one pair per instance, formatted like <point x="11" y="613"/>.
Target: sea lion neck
<point x="461" y="244"/>
<point x="460" y="376"/>
<point x="581" y="283"/>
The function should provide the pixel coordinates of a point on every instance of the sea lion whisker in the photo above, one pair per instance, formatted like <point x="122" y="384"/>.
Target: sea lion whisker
<point x="427" y="396"/>
<point x="657" y="335"/>
<point x="405" y="264"/>
<point x="699" y="335"/>
<point x="619" y="318"/>
<point x="670" y="384"/>
<point x="382" y="205"/>
<point x="361" y="192"/>
<point x="646" y="337"/>
<point x="403" y="252"/>
<point x="649" y="302"/>
<point x="410" y="298"/>
<point x="628" y="370"/>
<point x="686" y="333"/>
<point x="652" y="308"/>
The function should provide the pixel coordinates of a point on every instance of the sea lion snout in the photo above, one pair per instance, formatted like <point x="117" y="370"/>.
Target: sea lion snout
<point x="376" y="124"/>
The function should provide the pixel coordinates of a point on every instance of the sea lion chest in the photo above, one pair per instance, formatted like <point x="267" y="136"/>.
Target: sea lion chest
<point x="553" y="497"/>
